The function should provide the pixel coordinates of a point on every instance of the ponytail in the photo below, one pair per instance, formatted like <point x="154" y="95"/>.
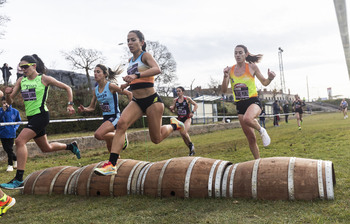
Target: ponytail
<point x="112" y="75"/>
<point x="109" y="73"/>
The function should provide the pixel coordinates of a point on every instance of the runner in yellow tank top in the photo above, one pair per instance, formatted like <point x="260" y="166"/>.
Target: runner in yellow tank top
<point x="242" y="79"/>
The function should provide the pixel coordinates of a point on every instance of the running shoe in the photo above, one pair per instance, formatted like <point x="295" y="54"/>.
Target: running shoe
<point x="106" y="169"/>
<point x="9" y="168"/>
<point x="13" y="185"/>
<point x="179" y="125"/>
<point x="192" y="152"/>
<point x="299" y="128"/>
<point x="126" y="142"/>
<point x="6" y="205"/>
<point x="265" y="137"/>
<point x="75" y="149"/>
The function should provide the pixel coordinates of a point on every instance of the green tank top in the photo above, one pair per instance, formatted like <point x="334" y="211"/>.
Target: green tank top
<point x="243" y="87"/>
<point x="34" y="94"/>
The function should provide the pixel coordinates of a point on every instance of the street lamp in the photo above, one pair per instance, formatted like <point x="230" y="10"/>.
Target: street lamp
<point x="283" y="87"/>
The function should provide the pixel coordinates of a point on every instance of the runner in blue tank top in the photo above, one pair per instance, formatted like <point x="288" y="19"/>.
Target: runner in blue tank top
<point x="106" y="94"/>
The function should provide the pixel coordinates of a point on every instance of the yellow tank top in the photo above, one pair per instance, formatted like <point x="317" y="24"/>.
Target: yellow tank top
<point x="243" y="87"/>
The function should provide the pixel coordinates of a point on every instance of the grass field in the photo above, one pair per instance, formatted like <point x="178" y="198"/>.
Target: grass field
<point x="323" y="136"/>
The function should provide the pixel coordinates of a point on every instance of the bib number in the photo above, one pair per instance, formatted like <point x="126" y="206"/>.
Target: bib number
<point x="241" y="93"/>
<point x="28" y="94"/>
<point x="105" y="107"/>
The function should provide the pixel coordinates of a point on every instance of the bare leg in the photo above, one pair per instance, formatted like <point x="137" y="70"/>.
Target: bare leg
<point x="129" y="116"/>
<point x="249" y="123"/>
<point x="106" y="132"/>
<point x="25" y="136"/>
<point x="298" y="118"/>
<point x="185" y="136"/>
<point x="45" y="146"/>
<point x="157" y="131"/>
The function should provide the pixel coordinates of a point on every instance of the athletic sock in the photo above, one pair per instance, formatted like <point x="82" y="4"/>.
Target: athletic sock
<point x="69" y="147"/>
<point x="174" y="126"/>
<point x="190" y="145"/>
<point x="19" y="175"/>
<point x="113" y="157"/>
<point x="3" y="199"/>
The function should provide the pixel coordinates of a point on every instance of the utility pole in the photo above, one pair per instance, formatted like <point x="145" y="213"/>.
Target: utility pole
<point x="307" y="86"/>
<point x="191" y="87"/>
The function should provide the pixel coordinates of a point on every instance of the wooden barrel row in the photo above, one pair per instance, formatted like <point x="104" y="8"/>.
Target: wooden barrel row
<point x="276" y="178"/>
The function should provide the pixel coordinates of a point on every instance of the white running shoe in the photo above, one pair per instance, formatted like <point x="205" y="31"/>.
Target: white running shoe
<point x="265" y="137"/>
<point x="9" y="168"/>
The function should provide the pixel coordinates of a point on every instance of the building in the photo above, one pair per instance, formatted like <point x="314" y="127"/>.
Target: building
<point x="207" y="110"/>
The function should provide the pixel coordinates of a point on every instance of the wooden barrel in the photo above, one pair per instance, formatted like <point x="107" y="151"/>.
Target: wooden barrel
<point x="183" y="177"/>
<point x="48" y="181"/>
<point x="86" y="182"/>
<point x="280" y="178"/>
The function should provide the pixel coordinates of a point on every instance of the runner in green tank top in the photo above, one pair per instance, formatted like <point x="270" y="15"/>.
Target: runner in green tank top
<point x="34" y="89"/>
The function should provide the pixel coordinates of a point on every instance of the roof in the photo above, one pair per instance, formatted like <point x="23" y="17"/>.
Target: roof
<point x="207" y="98"/>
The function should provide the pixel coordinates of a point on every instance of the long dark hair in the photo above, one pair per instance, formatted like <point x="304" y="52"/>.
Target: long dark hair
<point x="182" y="88"/>
<point x="109" y="73"/>
<point x="40" y="66"/>
<point x="141" y="37"/>
<point x="251" y="58"/>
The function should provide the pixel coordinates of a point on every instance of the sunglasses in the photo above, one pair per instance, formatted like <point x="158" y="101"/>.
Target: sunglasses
<point x="25" y="66"/>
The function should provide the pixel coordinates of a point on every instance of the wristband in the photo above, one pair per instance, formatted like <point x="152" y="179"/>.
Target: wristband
<point x="71" y="103"/>
<point x="138" y="74"/>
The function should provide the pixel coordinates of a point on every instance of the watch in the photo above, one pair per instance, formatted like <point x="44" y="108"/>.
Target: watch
<point x="138" y="74"/>
<point x="71" y="103"/>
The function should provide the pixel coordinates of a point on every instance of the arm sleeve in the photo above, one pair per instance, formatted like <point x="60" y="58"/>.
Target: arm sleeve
<point x="18" y="118"/>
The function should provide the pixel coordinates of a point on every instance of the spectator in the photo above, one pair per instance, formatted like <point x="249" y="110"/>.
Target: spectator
<point x="6" y="73"/>
<point x="8" y="132"/>
<point x="286" y="110"/>
<point x="276" y="111"/>
<point x="344" y="108"/>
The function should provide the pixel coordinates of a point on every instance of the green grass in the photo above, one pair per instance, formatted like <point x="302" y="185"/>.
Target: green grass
<point x="324" y="136"/>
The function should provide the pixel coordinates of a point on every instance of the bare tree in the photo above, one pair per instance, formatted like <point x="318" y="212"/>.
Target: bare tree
<point x="3" y="20"/>
<point x="85" y="59"/>
<point x="215" y="86"/>
<point x="166" y="80"/>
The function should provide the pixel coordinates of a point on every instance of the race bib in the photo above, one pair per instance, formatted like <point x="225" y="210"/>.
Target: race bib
<point x="105" y="107"/>
<point x="28" y="94"/>
<point x="181" y="112"/>
<point x="241" y="91"/>
<point x="132" y="69"/>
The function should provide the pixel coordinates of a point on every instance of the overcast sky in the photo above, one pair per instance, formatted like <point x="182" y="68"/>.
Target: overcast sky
<point x="201" y="35"/>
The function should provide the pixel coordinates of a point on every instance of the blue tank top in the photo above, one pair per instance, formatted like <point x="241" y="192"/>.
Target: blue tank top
<point x="108" y="101"/>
